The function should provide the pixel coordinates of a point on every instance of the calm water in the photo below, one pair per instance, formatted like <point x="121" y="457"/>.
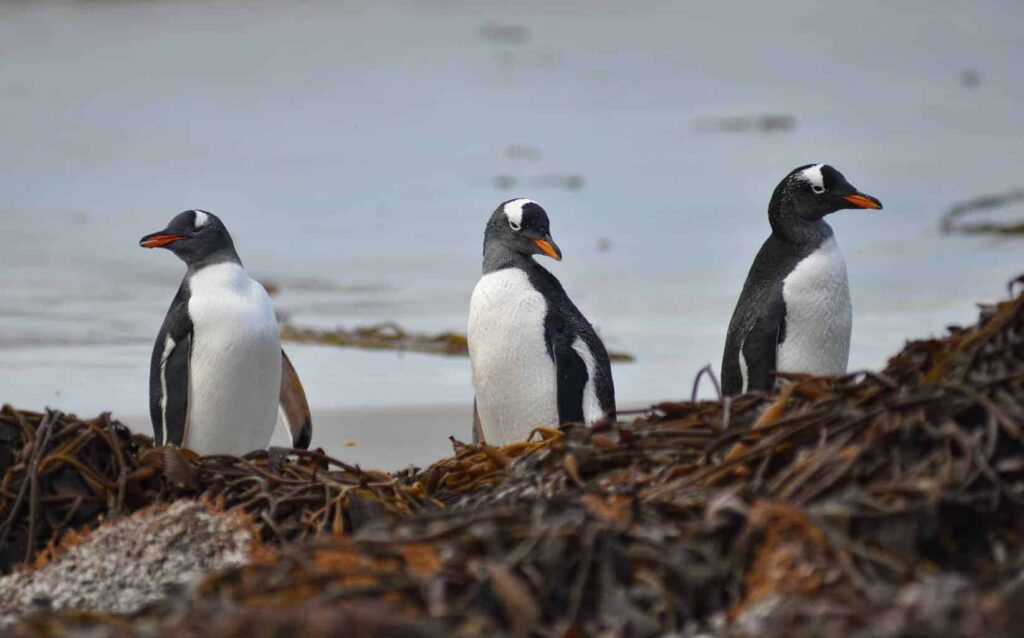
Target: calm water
<point x="355" y="150"/>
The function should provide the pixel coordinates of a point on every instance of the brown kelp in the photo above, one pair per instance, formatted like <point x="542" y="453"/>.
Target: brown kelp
<point x="391" y="336"/>
<point x="883" y="503"/>
<point x="384" y="336"/>
<point x="953" y="221"/>
<point x="62" y="473"/>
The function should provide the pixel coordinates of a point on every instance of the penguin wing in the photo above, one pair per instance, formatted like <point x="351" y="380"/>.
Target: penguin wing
<point x="761" y="344"/>
<point x="294" y="407"/>
<point x="570" y="375"/>
<point x="169" y="374"/>
<point x="478" y="427"/>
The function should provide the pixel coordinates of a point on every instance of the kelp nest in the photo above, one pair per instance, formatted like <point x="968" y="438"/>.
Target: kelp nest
<point x="874" y="505"/>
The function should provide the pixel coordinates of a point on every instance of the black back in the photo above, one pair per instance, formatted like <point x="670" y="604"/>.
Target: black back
<point x="169" y="373"/>
<point x="562" y="324"/>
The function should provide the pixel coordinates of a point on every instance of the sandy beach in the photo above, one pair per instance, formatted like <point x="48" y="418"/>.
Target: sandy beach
<point x="357" y="173"/>
<point x="380" y="437"/>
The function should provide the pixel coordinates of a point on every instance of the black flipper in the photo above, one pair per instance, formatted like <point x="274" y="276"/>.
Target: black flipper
<point x="294" y="406"/>
<point x="760" y="346"/>
<point x="169" y="374"/>
<point x="570" y="370"/>
<point x="478" y="428"/>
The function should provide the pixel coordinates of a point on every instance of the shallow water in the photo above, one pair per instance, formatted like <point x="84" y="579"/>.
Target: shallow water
<point x="355" y="150"/>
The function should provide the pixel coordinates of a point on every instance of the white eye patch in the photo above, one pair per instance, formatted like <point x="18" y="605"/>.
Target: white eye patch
<point x="201" y="219"/>
<point x="514" y="212"/>
<point x="812" y="175"/>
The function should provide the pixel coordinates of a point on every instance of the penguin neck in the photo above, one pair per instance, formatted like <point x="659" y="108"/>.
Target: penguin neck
<point x="225" y="255"/>
<point x="790" y="228"/>
<point x="498" y="256"/>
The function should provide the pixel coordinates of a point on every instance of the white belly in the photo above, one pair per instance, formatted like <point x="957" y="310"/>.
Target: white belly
<point x="818" y="315"/>
<point x="513" y="375"/>
<point x="235" y="369"/>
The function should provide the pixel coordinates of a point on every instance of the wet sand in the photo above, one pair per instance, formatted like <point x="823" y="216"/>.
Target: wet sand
<point x="383" y="438"/>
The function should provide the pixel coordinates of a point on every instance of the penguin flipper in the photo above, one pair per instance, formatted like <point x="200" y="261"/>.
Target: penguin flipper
<point x="174" y="372"/>
<point x="760" y="347"/>
<point x="169" y="373"/>
<point x="294" y="407"/>
<point x="571" y="377"/>
<point x="478" y="427"/>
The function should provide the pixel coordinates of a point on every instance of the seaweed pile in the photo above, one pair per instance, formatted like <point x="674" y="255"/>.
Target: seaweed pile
<point x="391" y="336"/>
<point x="765" y="123"/>
<point x="60" y="473"/>
<point x="953" y="219"/>
<point x="383" y="336"/>
<point x="878" y="504"/>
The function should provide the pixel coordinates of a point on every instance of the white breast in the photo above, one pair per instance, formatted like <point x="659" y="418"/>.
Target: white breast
<point x="818" y="314"/>
<point x="513" y="375"/>
<point x="235" y="369"/>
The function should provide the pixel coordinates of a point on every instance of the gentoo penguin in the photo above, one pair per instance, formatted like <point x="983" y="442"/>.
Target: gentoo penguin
<point x="794" y="313"/>
<point x="218" y="372"/>
<point x="536" y="359"/>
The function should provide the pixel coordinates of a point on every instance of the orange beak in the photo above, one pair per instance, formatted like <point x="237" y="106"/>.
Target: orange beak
<point x="549" y="248"/>
<point x="158" y="240"/>
<point x="863" y="201"/>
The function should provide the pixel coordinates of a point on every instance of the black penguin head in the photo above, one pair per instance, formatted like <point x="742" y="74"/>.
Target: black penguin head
<point x="810" y="192"/>
<point x="195" y="236"/>
<point x="522" y="226"/>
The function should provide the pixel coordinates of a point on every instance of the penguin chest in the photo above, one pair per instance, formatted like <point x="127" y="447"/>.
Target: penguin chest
<point x="513" y="374"/>
<point x="819" y="315"/>
<point x="235" y="366"/>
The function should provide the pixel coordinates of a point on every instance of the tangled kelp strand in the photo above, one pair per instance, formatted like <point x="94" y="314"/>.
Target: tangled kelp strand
<point x="62" y="473"/>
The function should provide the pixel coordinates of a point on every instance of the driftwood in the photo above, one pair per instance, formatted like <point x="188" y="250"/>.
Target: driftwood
<point x="878" y="504"/>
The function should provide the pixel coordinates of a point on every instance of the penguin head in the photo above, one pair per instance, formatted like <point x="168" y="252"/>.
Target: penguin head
<point x="522" y="225"/>
<point x="810" y="192"/>
<point x="194" y="236"/>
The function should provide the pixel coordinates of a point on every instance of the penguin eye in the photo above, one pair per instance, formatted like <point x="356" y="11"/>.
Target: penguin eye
<point x="818" y="189"/>
<point x="514" y="226"/>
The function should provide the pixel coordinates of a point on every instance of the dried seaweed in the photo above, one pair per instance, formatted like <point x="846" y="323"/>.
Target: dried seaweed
<point x="61" y="473"/>
<point x="953" y="219"/>
<point x="765" y="123"/>
<point x="878" y="504"/>
<point x="391" y="336"/>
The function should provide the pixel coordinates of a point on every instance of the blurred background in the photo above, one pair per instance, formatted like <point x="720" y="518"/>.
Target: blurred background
<point x="355" y="150"/>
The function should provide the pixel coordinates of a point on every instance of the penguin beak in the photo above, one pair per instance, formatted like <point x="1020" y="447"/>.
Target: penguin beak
<point x="860" y="200"/>
<point x="159" y="239"/>
<point x="549" y="247"/>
